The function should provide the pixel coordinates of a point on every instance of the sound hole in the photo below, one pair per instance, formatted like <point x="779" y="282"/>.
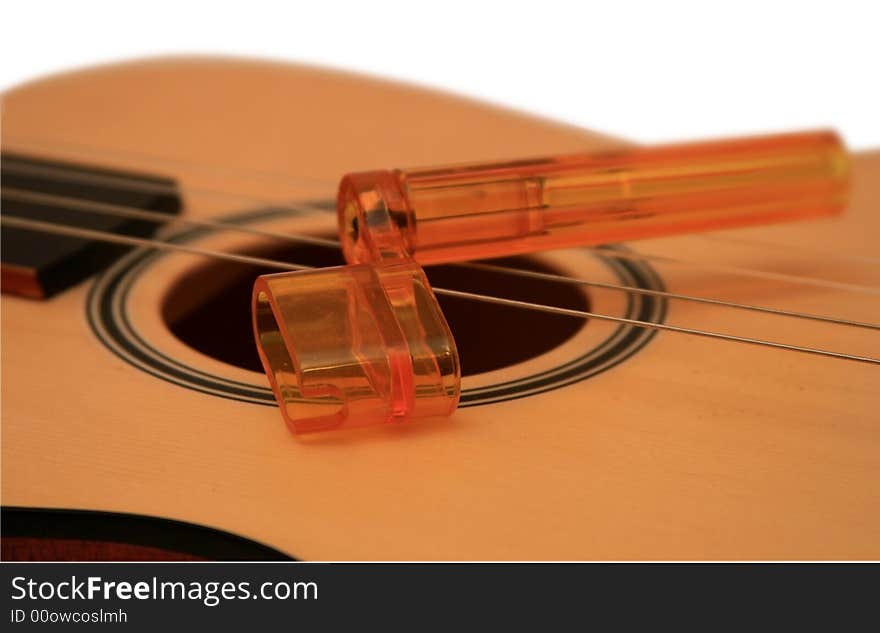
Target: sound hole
<point x="209" y="309"/>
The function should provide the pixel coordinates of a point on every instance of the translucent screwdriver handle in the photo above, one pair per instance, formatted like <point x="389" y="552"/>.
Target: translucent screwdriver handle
<point x="485" y="210"/>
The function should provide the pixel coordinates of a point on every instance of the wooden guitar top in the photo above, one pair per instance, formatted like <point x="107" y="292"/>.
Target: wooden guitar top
<point x="674" y="447"/>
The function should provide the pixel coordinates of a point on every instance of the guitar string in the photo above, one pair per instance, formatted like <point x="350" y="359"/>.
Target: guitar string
<point x="70" y="175"/>
<point x="280" y="177"/>
<point x="123" y="211"/>
<point x="739" y="271"/>
<point x="771" y="246"/>
<point x="216" y="169"/>
<point x="116" y="210"/>
<point x="63" y="229"/>
<point x="315" y="206"/>
<point x="134" y="184"/>
<point x="519" y="272"/>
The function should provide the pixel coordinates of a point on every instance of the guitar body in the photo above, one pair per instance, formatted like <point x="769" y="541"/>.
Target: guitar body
<point x="137" y="391"/>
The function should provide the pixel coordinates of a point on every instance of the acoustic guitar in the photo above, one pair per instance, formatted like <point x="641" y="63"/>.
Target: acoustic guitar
<point x="137" y="422"/>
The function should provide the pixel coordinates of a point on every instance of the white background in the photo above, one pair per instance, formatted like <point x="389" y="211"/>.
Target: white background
<point x="648" y="71"/>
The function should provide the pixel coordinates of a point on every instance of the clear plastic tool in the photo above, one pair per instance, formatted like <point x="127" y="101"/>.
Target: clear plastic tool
<point x="368" y="343"/>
